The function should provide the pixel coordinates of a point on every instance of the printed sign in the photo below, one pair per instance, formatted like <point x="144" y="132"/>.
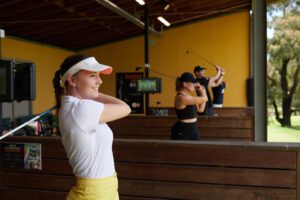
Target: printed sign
<point x="21" y="155"/>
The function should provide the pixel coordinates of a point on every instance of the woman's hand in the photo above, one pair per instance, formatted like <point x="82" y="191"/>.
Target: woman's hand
<point x="218" y="67"/>
<point x="197" y="85"/>
<point x="222" y="72"/>
<point x="200" y="89"/>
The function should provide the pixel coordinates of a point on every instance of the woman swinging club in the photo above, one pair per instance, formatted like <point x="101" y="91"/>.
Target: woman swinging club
<point x="187" y="106"/>
<point x="83" y="113"/>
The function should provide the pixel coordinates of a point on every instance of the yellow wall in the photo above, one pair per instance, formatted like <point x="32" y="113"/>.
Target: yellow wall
<point x="47" y="60"/>
<point x="224" y="41"/>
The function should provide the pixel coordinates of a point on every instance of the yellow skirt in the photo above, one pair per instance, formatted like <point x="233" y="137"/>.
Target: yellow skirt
<point x="95" y="189"/>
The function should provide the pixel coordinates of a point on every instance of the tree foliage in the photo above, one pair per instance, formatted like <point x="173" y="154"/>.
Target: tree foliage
<point x="284" y="59"/>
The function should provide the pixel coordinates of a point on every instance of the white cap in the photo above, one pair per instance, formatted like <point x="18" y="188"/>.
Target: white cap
<point x="89" y="64"/>
<point x="2" y="33"/>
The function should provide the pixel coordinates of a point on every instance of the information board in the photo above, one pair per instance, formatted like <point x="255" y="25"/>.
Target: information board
<point x="21" y="155"/>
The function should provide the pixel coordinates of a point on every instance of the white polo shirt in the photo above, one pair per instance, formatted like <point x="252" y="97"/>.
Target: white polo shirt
<point x="87" y="142"/>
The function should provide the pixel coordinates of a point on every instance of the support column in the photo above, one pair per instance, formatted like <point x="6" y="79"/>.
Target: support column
<point x="146" y="45"/>
<point x="1" y="125"/>
<point x="260" y="69"/>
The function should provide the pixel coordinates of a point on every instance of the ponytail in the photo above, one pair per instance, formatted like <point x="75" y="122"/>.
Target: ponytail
<point x="59" y="91"/>
<point x="179" y="84"/>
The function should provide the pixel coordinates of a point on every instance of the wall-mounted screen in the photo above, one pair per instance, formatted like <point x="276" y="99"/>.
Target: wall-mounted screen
<point x="149" y="85"/>
<point x="17" y="81"/>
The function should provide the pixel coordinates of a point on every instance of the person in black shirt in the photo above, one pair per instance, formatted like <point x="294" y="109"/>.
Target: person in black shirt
<point x="212" y="81"/>
<point x="218" y="93"/>
<point x="187" y="106"/>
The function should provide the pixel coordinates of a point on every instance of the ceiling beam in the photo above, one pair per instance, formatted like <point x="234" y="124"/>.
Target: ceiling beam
<point x="108" y="4"/>
<point x="84" y="16"/>
<point x="213" y="12"/>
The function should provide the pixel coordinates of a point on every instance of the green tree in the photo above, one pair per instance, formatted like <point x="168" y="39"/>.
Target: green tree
<point x="284" y="59"/>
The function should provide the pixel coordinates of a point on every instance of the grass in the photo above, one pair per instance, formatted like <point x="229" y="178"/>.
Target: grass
<point x="276" y="133"/>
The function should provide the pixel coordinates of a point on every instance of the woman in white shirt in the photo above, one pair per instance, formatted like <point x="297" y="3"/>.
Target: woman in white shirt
<point x="83" y="113"/>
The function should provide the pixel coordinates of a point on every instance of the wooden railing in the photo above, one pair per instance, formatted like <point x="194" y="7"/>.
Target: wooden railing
<point x="226" y="128"/>
<point x="165" y="169"/>
<point x="224" y="111"/>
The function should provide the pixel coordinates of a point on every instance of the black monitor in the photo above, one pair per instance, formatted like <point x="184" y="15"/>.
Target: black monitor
<point x="6" y="80"/>
<point x="149" y="85"/>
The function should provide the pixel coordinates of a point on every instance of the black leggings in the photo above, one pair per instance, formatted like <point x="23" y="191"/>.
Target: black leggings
<point x="185" y="131"/>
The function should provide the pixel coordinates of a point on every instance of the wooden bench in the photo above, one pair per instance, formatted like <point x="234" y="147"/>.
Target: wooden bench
<point x="226" y="128"/>
<point x="224" y="111"/>
<point x="165" y="169"/>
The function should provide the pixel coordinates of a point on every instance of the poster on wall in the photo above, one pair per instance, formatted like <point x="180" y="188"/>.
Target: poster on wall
<point x="21" y="155"/>
<point x="127" y="91"/>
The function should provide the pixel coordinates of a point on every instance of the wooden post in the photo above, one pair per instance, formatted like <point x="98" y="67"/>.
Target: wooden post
<point x="298" y="176"/>
<point x="260" y="69"/>
<point x="147" y="65"/>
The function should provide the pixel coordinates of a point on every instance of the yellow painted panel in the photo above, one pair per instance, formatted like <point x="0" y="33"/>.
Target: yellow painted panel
<point x="224" y="41"/>
<point x="47" y="60"/>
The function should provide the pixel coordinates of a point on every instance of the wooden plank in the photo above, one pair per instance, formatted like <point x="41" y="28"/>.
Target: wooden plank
<point x="265" y="155"/>
<point x="38" y="181"/>
<point x="168" y="190"/>
<point x="137" y="198"/>
<point x="202" y="138"/>
<point x="49" y="166"/>
<point x="208" y="175"/>
<point x="227" y="139"/>
<point x="270" y="146"/>
<point x="198" y="155"/>
<point x="165" y="132"/>
<point x="175" y="169"/>
<point x="224" y="122"/>
<point x="298" y="176"/>
<point x="142" y="137"/>
<point x="162" y="121"/>
<point x="225" y="132"/>
<point x="53" y="150"/>
<point x="150" y="137"/>
<point x="224" y="111"/>
<point x="145" y="121"/>
<point x="169" y="121"/>
<point x="173" y="190"/>
<point x="120" y="131"/>
<point x="181" y="173"/>
<point x="159" y="127"/>
<point x="21" y="194"/>
<point x="33" y="139"/>
<point x="1" y="184"/>
<point x="231" y="111"/>
<point x="57" y="167"/>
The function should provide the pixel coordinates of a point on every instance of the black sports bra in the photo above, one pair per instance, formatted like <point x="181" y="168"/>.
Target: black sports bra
<point x="188" y="112"/>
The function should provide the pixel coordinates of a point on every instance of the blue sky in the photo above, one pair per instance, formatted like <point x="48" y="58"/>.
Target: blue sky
<point x="270" y="31"/>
